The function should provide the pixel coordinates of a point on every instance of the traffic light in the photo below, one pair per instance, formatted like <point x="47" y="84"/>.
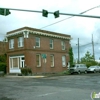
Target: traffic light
<point x="4" y="12"/>
<point x="44" y="13"/>
<point x="56" y="14"/>
<point x="7" y="12"/>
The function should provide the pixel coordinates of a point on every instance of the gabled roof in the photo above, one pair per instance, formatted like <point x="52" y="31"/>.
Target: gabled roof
<point x="39" y="32"/>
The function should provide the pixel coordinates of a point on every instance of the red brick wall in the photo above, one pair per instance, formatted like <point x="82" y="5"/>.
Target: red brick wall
<point x="30" y="53"/>
<point x="30" y="60"/>
<point x="44" y="44"/>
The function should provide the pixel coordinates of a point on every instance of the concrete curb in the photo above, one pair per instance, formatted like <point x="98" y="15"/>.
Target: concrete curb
<point x="24" y="76"/>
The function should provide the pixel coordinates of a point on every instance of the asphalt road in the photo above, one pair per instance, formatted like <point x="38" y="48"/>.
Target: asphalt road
<point x="71" y="87"/>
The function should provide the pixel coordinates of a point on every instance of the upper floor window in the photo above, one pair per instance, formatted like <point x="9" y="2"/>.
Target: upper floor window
<point x="64" y="61"/>
<point x="63" y="45"/>
<point x="11" y="43"/>
<point x="51" y="44"/>
<point x="37" y="40"/>
<point x="20" y="42"/>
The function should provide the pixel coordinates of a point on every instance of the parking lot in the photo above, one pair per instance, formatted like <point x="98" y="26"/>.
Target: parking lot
<point x="70" y="87"/>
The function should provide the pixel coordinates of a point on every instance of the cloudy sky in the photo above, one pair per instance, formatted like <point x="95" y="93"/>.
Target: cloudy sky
<point x="77" y="27"/>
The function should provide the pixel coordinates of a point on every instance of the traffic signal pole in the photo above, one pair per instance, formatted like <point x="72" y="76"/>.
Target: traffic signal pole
<point x="68" y="14"/>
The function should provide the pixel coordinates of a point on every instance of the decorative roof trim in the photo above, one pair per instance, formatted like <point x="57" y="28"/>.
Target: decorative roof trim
<point x="39" y="33"/>
<point x="50" y="35"/>
<point x="15" y="33"/>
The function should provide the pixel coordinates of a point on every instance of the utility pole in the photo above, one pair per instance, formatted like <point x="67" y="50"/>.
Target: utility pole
<point x="78" y="52"/>
<point x="93" y="47"/>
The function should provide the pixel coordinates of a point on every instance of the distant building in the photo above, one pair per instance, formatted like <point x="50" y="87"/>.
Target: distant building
<point x="40" y="50"/>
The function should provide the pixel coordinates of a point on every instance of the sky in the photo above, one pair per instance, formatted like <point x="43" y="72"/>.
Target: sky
<point x="77" y="27"/>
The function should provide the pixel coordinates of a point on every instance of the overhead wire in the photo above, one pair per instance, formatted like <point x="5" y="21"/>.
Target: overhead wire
<point x="70" y="17"/>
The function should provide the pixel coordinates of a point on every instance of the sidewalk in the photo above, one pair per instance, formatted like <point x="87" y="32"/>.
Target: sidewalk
<point x="15" y="76"/>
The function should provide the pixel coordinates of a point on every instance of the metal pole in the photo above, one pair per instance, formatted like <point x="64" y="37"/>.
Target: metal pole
<point x="93" y="47"/>
<point x="78" y="51"/>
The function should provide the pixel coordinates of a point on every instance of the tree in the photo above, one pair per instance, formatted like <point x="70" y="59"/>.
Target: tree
<point x="3" y="58"/>
<point x="88" y="59"/>
<point x="71" y="56"/>
<point x="3" y="63"/>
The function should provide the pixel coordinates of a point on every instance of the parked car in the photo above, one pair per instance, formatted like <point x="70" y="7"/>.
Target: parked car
<point x="94" y="69"/>
<point x="78" y="68"/>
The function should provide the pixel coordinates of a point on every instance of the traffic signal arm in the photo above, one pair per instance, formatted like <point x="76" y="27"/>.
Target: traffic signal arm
<point x="56" y="14"/>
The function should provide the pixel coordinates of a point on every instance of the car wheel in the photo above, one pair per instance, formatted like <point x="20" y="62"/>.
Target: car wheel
<point x="85" y="72"/>
<point x="79" y="72"/>
<point x="94" y="71"/>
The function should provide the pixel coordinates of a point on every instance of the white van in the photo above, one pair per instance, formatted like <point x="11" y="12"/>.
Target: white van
<point x="78" y="68"/>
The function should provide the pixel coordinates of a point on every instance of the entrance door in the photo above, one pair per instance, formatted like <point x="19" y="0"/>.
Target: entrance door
<point x="22" y="62"/>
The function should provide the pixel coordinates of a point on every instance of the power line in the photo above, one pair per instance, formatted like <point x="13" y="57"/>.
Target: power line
<point x="70" y="17"/>
<point x="83" y="45"/>
<point x="86" y="45"/>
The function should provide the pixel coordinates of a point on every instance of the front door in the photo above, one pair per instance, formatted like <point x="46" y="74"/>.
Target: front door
<point x="22" y="62"/>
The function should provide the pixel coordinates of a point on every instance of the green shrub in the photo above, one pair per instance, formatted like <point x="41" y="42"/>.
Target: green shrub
<point x="26" y="71"/>
<point x="3" y="67"/>
<point x="65" y="72"/>
<point x="91" y="63"/>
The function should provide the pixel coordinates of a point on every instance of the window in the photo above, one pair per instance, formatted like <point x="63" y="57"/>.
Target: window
<point x="52" y="60"/>
<point x="16" y="62"/>
<point x="11" y="43"/>
<point x="38" y="60"/>
<point x="51" y="44"/>
<point x="64" y="61"/>
<point x="37" y="42"/>
<point x="20" y="42"/>
<point x="63" y="45"/>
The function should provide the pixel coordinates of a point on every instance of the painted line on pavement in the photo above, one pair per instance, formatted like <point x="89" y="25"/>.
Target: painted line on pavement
<point x="46" y="94"/>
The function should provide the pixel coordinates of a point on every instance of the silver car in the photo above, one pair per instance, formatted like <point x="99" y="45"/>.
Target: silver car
<point x="78" y="68"/>
<point x="94" y="69"/>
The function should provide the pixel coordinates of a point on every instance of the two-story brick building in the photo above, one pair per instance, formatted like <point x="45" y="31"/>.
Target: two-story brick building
<point x="26" y="46"/>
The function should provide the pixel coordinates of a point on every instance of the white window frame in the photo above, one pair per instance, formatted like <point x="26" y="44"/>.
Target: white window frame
<point x="11" y="43"/>
<point x="37" y="40"/>
<point x="39" y="60"/>
<point x="51" y="43"/>
<point x="63" y="45"/>
<point x="20" y="41"/>
<point x="64" y="61"/>
<point x="52" y="60"/>
<point x="11" y="61"/>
